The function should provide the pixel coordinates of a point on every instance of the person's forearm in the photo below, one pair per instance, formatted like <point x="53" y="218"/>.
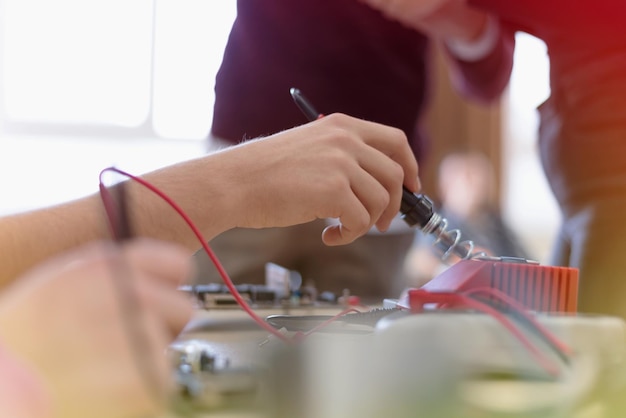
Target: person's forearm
<point x="204" y="190"/>
<point x="455" y="21"/>
<point x="336" y="167"/>
<point x="29" y="238"/>
<point x="481" y="50"/>
<point x="484" y="78"/>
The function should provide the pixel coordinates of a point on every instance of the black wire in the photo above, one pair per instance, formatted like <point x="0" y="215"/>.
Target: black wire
<point x="128" y="298"/>
<point x="525" y="322"/>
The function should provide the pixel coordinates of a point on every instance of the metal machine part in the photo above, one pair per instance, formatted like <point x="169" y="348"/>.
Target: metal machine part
<point x="206" y="379"/>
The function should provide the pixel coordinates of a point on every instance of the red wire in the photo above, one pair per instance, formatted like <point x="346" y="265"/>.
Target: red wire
<point x="523" y="311"/>
<point x="218" y="265"/>
<point x="538" y="354"/>
<point x="452" y="299"/>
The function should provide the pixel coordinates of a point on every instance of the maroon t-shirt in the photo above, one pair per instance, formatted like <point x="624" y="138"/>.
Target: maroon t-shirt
<point x="344" y="56"/>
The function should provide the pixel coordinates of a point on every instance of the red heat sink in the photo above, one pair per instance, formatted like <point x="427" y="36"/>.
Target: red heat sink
<point x="539" y="288"/>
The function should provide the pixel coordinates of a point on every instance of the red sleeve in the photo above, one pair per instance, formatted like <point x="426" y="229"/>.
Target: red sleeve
<point x="550" y="15"/>
<point x="510" y="9"/>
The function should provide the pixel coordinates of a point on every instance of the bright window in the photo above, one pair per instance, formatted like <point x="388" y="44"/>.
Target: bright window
<point x="73" y="61"/>
<point x="528" y="203"/>
<point x="84" y="85"/>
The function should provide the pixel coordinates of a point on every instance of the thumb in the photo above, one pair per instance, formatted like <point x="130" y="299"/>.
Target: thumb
<point x="334" y="235"/>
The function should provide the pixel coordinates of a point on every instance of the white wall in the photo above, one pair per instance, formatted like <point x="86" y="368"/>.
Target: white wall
<point x="527" y="201"/>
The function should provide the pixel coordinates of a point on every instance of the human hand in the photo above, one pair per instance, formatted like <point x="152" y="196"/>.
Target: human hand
<point x="445" y="19"/>
<point x="336" y="167"/>
<point x="67" y="319"/>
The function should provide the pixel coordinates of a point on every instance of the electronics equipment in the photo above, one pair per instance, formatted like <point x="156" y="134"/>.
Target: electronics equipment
<point x="478" y="340"/>
<point x="463" y="364"/>
<point x="537" y="287"/>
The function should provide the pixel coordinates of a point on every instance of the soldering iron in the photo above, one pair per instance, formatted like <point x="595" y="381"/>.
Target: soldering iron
<point x="417" y="210"/>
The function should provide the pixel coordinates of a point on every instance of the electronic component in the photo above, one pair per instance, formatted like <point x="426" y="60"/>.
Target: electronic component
<point x="216" y="295"/>
<point x="536" y="287"/>
<point x="219" y="296"/>
<point x="349" y="323"/>
<point x="207" y="379"/>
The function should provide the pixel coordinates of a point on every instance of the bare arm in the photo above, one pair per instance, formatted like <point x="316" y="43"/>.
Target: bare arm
<point x="482" y="70"/>
<point x="442" y="19"/>
<point x="337" y="167"/>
